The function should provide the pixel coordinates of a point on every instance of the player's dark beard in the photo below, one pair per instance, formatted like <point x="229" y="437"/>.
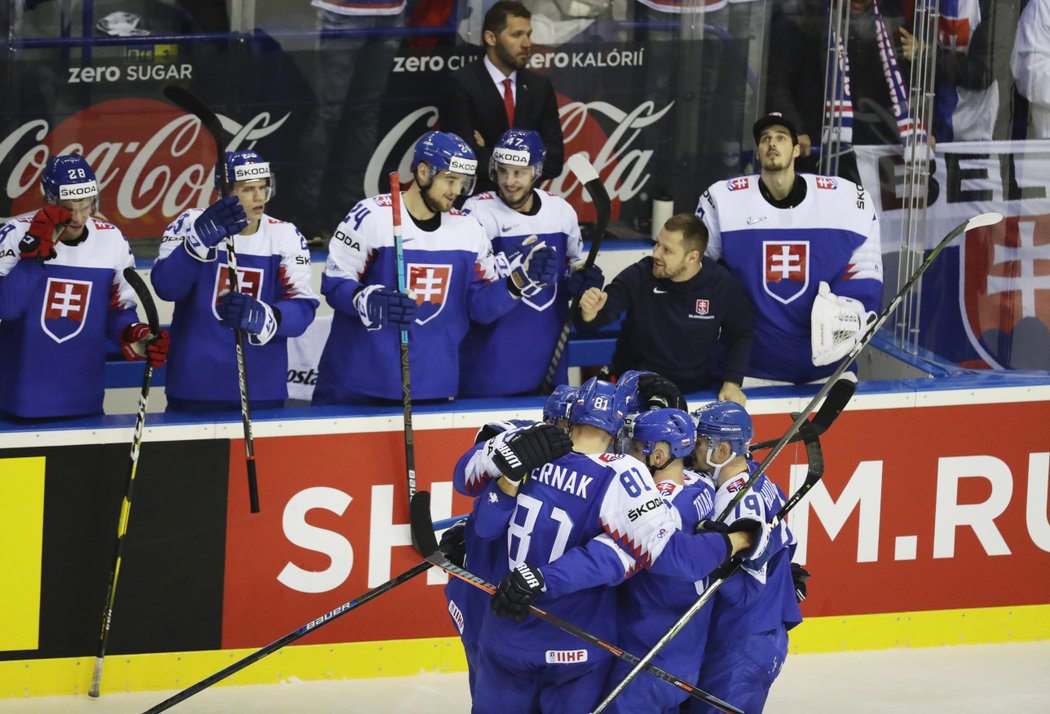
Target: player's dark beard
<point x="525" y="196"/>
<point x="424" y="192"/>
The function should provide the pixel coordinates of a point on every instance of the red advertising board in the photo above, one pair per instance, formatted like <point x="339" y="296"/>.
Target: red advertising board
<point x="926" y="508"/>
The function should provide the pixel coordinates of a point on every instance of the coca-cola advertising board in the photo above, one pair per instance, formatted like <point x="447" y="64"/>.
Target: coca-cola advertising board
<point x="153" y="161"/>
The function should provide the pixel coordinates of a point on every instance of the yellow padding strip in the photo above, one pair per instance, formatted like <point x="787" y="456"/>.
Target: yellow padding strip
<point x="178" y="670"/>
<point x="922" y="629"/>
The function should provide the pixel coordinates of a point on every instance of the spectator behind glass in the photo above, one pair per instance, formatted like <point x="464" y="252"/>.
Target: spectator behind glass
<point x="798" y="43"/>
<point x="678" y="306"/>
<point x="482" y="100"/>
<point x="1031" y="65"/>
<point x="342" y="134"/>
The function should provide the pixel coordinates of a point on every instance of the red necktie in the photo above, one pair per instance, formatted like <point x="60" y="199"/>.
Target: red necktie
<point x="508" y="102"/>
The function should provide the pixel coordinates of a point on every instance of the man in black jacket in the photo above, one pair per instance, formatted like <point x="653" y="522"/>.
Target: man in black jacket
<point x="679" y="305"/>
<point x="496" y="93"/>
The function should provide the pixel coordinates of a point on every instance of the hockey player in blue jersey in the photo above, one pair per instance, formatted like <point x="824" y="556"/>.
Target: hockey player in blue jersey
<point x="649" y="604"/>
<point x="62" y="294"/>
<point x="451" y="278"/>
<point x="572" y="529"/>
<point x="753" y="610"/>
<point x="806" y="249"/>
<point x="556" y="408"/>
<point x="516" y="217"/>
<point x="274" y="300"/>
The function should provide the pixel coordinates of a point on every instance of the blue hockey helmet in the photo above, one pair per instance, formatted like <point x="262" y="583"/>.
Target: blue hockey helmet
<point x="598" y="404"/>
<point x="68" y="178"/>
<point x="725" y="421"/>
<point x="558" y="403"/>
<point x="521" y="148"/>
<point x="671" y="425"/>
<point x="245" y="166"/>
<point x="444" y="151"/>
<point x="627" y="387"/>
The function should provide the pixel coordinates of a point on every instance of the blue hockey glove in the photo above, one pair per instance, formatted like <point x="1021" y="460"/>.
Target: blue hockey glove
<point x="516" y="592"/>
<point x="223" y="218"/>
<point x="799" y="576"/>
<point x="539" y="269"/>
<point x="582" y="280"/>
<point x="243" y="312"/>
<point x="379" y="306"/>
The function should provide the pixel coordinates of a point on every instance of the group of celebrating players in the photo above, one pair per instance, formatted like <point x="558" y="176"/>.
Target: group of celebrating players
<point x="606" y="515"/>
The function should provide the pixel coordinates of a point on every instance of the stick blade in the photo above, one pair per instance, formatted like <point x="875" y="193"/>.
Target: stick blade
<point x="581" y="168"/>
<point x="985" y="219"/>
<point x="423" y="537"/>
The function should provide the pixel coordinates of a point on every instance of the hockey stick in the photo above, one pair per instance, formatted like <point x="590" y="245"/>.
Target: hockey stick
<point x="979" y="221"/>
<point x="291" y="637"/>
<point x="813" y="475"/>
<point x="838" y="396"/>
<point x="406" y="382"/>
<point x="587" y="176"/>
<point x="150" y="308"/>
<point x="427" y="545"/>
<point x="191" y="104"/>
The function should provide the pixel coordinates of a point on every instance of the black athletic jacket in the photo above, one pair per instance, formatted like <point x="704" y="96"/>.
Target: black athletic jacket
<point x="672" y="328"/>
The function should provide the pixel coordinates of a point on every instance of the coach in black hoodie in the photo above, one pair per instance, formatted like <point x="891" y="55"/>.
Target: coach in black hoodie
<point x="679" y="305"/>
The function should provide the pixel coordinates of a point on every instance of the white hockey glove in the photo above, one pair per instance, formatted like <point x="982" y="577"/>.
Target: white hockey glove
<point x="538" y="269"/>
<point x="836" y="324"/>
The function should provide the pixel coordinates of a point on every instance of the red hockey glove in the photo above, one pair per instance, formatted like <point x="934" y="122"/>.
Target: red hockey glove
<point x="137" y="343"/>
<point x="39" y="242"/>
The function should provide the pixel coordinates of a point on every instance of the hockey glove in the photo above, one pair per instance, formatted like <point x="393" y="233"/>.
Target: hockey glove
<point x="223" y="218"/>
<point x="656" y="392"/>
<point x="39" y="241"/>
<point x="582" y="280"/>
<point x="453" y="544"/>
<point x="243" y="312"/>
<point x="836" y="324"/>
<point x="378" y="306"/>
<point x="539" y="269"/>
<point x="526" y="449"/>
<point x="137" y="343"/>
<point x="759" y="532"/>
<point x="516" y="592"/>
<point x="799" y="575"/>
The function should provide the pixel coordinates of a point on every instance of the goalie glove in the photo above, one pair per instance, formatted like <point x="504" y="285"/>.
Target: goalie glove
<point x="536" y="271"/>
<point x="526" y="449"/>
<point x="836" y="325"/>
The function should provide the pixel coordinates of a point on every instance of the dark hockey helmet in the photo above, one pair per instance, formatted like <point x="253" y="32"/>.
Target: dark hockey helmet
<point x="598" y="404"/>
<point x="671" y="425"/>
<point x="521" y="148"/>
<point x="444" y="151"/>
<point x="68" y="178"/>
<point x="725" y="421"/>
<point x="245" y="166"/>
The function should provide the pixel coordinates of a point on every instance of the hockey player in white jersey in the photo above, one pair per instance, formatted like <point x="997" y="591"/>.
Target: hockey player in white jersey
<point x="449" y="270"/>
<point x="573" y="528"/>
<point x="516" y="217"/>
<point x="274" y="300"/>
<point x="753" y="610"/>
<point x="806" y="249"/>
<point x="62" y="295"/>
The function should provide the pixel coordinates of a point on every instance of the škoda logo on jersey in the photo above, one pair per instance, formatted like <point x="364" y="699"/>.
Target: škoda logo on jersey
<point x="786" y="268"/>
<point x="430" y="282"/>
<point x="65" y="308"/>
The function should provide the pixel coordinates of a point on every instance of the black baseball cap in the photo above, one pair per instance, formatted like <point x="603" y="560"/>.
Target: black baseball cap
<point x="774" y="119"/>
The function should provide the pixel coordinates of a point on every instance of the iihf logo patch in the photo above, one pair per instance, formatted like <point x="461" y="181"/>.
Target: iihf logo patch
<point x="703" y="307"/>
<point x="827" y="183"/>
<point x="786" y="269"/>
<point x="738" y="184"/>
<point x="430" y="283"/>
<point x="65" y="307"/>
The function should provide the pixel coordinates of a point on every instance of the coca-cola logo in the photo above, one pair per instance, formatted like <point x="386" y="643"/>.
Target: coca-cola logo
<point x="152" y="161"/>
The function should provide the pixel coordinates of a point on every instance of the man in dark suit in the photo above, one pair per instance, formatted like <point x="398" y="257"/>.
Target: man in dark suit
<point x="487" y="97"/>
